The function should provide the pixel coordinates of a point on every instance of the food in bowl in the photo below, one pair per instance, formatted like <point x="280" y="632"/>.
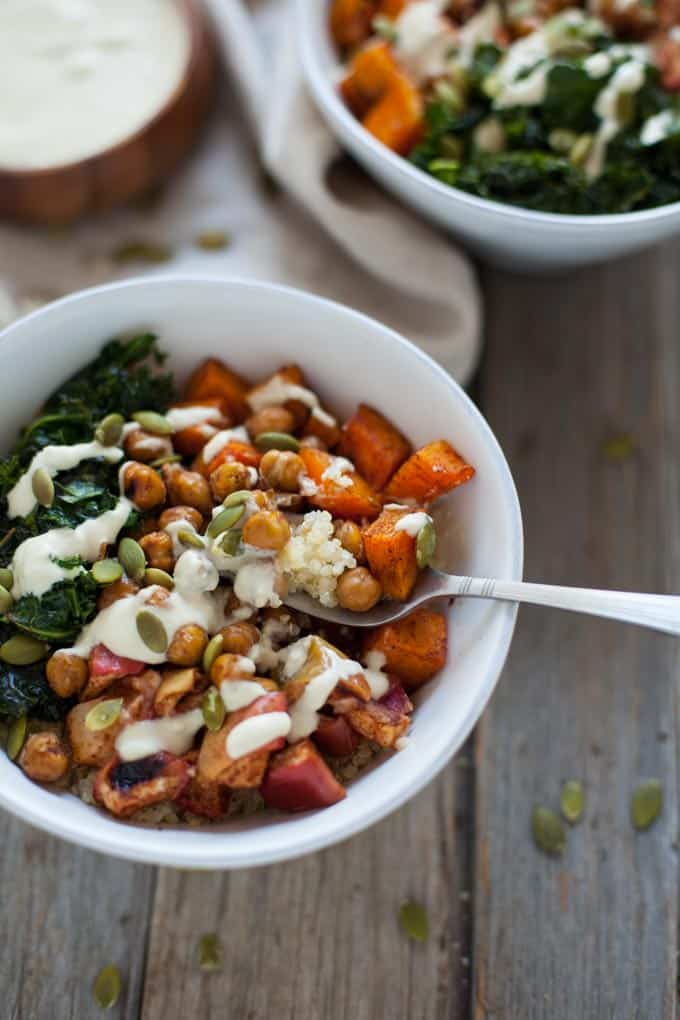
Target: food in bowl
<point x="146" y="544"/>
<point x="535" y="103"/>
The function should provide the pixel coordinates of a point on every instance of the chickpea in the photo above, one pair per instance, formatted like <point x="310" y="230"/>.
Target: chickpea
<point x="238" y="638"/>
<point x="229" y="667"/>
<point x="349" y="536"/>
<point x="230" y="477"/>
<point x="145" y="447"/>
<point x="187" y="488"/>
<point x="143" y="486"/>
<point x="157" y="597"/>
<point x="358" y="590"/>
<point x="313" y="442"/>
<point x="158" y="550"/>
<point x="270" y="419"/>
<point x="267" y="529"/>
<point x="112" y="592"/>
<point x="66" y="674"/>
<point x="188" y="645"/>
<point x="282" y="470"/>
<point x="181" y="513"/>
<point x="44" y="757"/>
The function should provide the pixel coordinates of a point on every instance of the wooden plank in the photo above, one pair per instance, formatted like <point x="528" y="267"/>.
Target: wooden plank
<point x="319" y="937"/>
<point x="67" y="913"/>
<point x="571" y="363"/>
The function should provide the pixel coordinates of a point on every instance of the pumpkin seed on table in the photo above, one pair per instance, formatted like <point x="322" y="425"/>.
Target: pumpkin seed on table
<point x="109" y="431"/>
<point x="142" y="251"/>
<point x="6" y="600"/>
<point x="236" y="498"/>
<point x="43" y="487"/>
<point x="413" y="920"/>
<point x="131" y="555"/>
<point x="106" y="571"/>
<point x="646" y="804"/>
<point x="210" y="952"/>
<point x="224" y="520"/>
<point x="571" y="801"/>
<point x="187" y="537"/>
<point x="213" y="709"/>
<point x="107" y="985"/>
<point x="548" y="831"/>
<point x="276" y="441"/>
<point x="426" y="544"/>
<point x="153" y="422"/>
<point x="154" y="575"/>
<point x="22" y="650"/>
<point x="212" y="650"/>
<point x="6" y="578"/>
<point x="103" y="715"/>
<point x="213" y="240"/>
<point x="151" y="631"/>
<point x="16" y="737"/>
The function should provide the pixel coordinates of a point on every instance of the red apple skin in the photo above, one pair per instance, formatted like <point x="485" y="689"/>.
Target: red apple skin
<point x="298" y="779"/>
<point x="105" y="663"/>
<point x="334" y="736"/>
<point x="396" y="699"/>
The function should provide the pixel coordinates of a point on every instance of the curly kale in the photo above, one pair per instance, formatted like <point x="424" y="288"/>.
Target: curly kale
<point x="25" y="691"/>
<point x="59" y="615"/>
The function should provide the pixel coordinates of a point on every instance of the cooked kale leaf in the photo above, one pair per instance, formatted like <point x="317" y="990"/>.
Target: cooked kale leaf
<point x="59" y="615"/>
<point x="25" y="691"/>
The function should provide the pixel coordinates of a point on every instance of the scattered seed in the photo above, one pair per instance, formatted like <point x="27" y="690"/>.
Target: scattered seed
<point x="213" y="240"/>
<point x="106" y="987"/>
<point x="646" y="804"/>
<point x="571" y="801"/>
<point x="187" y="537"/>
<point x="153" y="575"/>
<point x="229" y="542"/>
<point x="618" y="448"/>
<point x="213" y="649"/>
<point x="276" y="441"/>
<point x="16" y="737"/>
<point x="153" y="422"/>
<point x="172" y="458"/>
<point x="131" y="556"/>
<point x="43" y="487"/>
<point x="107" y="571"/>
<point x="413" y="920"/>
<point x="224" y="520"/>
<point x="110" y="430"/>
<point x="6" y="578"/>
<point x="142" y="251"/>
<point x="236" y="498"/>
<point x="210" y="952"/>
<point x="22" y="650"/>
<point x="426" y="543"/>
<point x="6" y="600"/>
<point x="548" y="831"/>
<point x="151" y="631"/>
<point x="213" y="709"/>
<point x="103" y="715"/>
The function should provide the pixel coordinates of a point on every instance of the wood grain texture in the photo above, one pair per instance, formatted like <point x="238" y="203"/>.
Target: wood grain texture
<point x="572" y="363"/>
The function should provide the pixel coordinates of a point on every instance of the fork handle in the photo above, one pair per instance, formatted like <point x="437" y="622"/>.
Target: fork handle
<point x="660" y="612"/>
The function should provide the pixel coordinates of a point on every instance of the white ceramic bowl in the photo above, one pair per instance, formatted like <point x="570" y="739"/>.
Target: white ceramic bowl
<point x="512" y="237"/>
<point x="348" y="358"/>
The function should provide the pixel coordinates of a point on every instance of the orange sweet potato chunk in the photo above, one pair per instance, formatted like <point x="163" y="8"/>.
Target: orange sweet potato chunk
<point x="430" y="472"/>
<point x="375" y="445"/>
<point x="370" y="74"/>
<point x="414" y="647"/>
<point x="396" y="120"/>
<point x="355" y="502"/>
<point x="391" y="554"/>
<point x="350" y="21"/>
<point x="214" y="379"/>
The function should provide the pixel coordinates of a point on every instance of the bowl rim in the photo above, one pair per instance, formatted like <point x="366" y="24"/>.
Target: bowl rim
<point x="328" y="100"/>
<point x="213" y="853"/>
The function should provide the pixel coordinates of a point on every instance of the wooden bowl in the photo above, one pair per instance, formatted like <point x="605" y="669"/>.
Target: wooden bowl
<point x="60" y="194"/>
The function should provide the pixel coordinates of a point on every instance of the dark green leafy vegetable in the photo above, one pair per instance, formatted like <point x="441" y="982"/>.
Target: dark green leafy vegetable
<point x="25" y="691"/>
<point x="60" y="614"/>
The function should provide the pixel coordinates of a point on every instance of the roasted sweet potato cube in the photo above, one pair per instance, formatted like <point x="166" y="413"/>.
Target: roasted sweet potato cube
<point x="350" y="21"/>
<point x="391" y="554"/>
<point x="371" y="71"/>
<point x="235" y="449"/>
<point x="190" y="441"/>
<point x="378" y="723"/>
<point x="355" y="501"/>
<point x="392" y="8"/>
<point x="414" y="647"/>
<point x="375" y="446"/>
<point x="214" y="379"/>
<point x="325" y="431"/>
<point x="91" y="747"/>
<point x="320" y="656"/>
<point x="335" y="736"/>
<point x="430" y="472"/>
<point x="214" y="762"/>
<point x="298" y="779"/>
<point x="397" y="119"/>
<point x="124" y="787"/>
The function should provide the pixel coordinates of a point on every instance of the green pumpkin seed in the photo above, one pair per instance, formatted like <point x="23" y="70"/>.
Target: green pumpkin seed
<point x="187" y="537"/>
<point x="172" y="458"/>
<point x="153" y="575"/>
<point x="213" y="649"/>
<point x="210" y="952"/>
<point x="548" y="831"/>
<point x="22" y="650"/>
<point x="107" y="571"/>
<point x="16" y="737"/>
<point x="276" y="441"/>
<point x="6" y="600"/>
<point x="103" y="715"/>
<point x="140" y="250"/>
<point x="6" y="578"/>
<point x="413" y="920"/>
<point x="646" y="804"/>
<point x="110" y="430"/>
<point x="213" y="709"/>
<point x="151" y="631"/>
<point x="132" y="558"/>
<point x="213" y="240"/>
<point x="224" y="520"/>
<point x="153" y="422"/>
<point x="571" y="801"/>
<point x="107" y="986"/>
<point x="426" y="543"/>
<point x="43" y="487"/>
<point x="236" y="498"/>
<point x="229" y="542"/>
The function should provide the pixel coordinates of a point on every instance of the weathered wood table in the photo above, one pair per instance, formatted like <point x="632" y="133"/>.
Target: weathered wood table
<point x="581" y="381"/>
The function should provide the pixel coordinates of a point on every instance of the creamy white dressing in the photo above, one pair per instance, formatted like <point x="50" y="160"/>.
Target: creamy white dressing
<point x="489" y="136"/>
<point x="278" y="390"/>
<point x="21" y="500"/>
<point x="661" y="125"/>
<point x="254" y="583"/>
<point x="83" y="75"/>
<point x="254" y="733"/>
<point x="150" y="736"/>
<point x="184" y="417"/>
<point x="304" y="713"/>
<point x="195" y="573"/>
<point x="413" y="524"/>
<point x="240" y="693"/>
<point x="424" y="39"/>
<point x="597" y="65"/>
<point x="337" y="472"/>
<point x="627" y="79"/>
<point x="222" y="439"/>
<point x="324" y="417"/>
<point x="480" y="29"/>
<point x="374" y="662"/>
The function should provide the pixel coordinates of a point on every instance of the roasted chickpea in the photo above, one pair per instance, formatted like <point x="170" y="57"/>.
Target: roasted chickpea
<point x="145" y="447"/>
<point x="157" y="597"/>
<point x="143" y="486"/>
<point x="230" y="477"/>
<point x="358" y="590"/>
<point x="66" y="674"/>
<point x="229" y="667"/>
<point x="187" y="488"/>
<point x="270" y="419"/>
<point x="349" y="536"/>
<point x="181" y="513"/>
<point x="158" y="550"/>
<point x="44" y="757"/>
<point x="238" y="638"/>
<point x="188" y="645"/>
<point x="282" y="470"/>
<point x="313" y="442"/>
<point x="267" y="529"/>
<point x="112" y="592"/>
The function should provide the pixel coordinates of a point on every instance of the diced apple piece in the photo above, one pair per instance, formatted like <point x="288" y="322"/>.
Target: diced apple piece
<point x="414" y="647"/>
<point x="320" y="655"/>
<point x="334" y="736"/>
<point x="396" y="699"/>
<point x="298" y="779"/>
<point x="105" y="667"/>
<point x="124" y="787"/>
<point x="377" y="723"/>
<point x="216" y="765"/>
